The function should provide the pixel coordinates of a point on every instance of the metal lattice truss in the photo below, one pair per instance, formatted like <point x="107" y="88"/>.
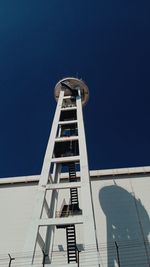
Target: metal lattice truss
<point x="66" y="149"/>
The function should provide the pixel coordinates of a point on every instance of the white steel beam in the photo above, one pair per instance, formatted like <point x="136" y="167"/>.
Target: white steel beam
<point x="67" y="97"/>
<point x="31" y="240"/>
<point x="67" y="122"/>
<point x="46" y="207"/>
<point x="61" y="221"/>
<point x="52" y="210"/>
<point x="88" y="212"/>
<point x="63" y="185"/>
<point x="51" y="142"/>
<point x="65" y="159"/>
<point x="69" y="108"/>
<point x="40" y="241"/>
<point x="66" y="139"/>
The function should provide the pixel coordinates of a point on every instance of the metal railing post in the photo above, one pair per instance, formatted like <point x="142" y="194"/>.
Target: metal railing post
<point x="78" y="257"/>
<point x="118" y="257"/>
<point x="44" y="257"/>
<point x="10" y="260"/>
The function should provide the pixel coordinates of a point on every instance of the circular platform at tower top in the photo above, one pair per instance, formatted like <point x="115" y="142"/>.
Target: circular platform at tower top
<point x="70" y="84"/>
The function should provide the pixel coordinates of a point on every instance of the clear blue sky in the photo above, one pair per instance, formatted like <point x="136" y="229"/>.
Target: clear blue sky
<point x="108" y="44"/>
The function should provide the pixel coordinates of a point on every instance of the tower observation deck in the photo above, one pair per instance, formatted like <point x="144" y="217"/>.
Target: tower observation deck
<point x="64" y="207"/>
<point x="71" y="86"/>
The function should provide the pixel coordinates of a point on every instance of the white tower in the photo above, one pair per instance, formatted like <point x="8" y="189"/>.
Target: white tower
<point x="66" y="150"/>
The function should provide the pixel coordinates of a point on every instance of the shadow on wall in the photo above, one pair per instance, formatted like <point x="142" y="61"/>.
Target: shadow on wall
<point x="128" y="225"/>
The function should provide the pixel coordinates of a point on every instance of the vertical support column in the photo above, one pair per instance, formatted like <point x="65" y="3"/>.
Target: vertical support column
<point x="51" y="142"/>
<point x="53" y="206"/>
<point x="31" y="241"/>
<point x="88" y="214"/>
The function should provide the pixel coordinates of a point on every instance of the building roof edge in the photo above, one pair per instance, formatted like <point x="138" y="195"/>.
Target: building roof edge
<point x="93" y="173"/>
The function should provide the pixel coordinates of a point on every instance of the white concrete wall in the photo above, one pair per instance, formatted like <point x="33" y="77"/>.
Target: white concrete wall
<point x="16" y="205"/>
<point x="121" y="208"/>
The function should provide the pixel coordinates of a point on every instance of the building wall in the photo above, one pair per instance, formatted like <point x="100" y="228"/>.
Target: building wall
<point x="16" y="206"/>
<point x="121" y="208"/>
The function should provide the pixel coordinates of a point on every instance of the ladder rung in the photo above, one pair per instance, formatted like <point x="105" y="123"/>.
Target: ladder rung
<point x="70" y="234"/>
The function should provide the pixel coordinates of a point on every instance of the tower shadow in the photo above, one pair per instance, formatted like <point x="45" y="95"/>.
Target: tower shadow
<point x="128" y="226"/>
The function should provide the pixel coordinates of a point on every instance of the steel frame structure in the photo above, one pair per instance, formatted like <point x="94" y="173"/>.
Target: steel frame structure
<point x="71" y="94"/>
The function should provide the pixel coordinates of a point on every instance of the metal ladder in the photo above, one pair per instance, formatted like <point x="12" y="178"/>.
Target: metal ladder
<point x="71" y="243"/>
<point x="73" y="191"/>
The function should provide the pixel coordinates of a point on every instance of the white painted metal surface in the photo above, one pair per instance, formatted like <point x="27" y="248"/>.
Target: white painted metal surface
<point x="71" y="95"/>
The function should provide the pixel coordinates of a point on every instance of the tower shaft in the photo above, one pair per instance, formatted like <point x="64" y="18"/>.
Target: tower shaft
<point x="66" y="150"/>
